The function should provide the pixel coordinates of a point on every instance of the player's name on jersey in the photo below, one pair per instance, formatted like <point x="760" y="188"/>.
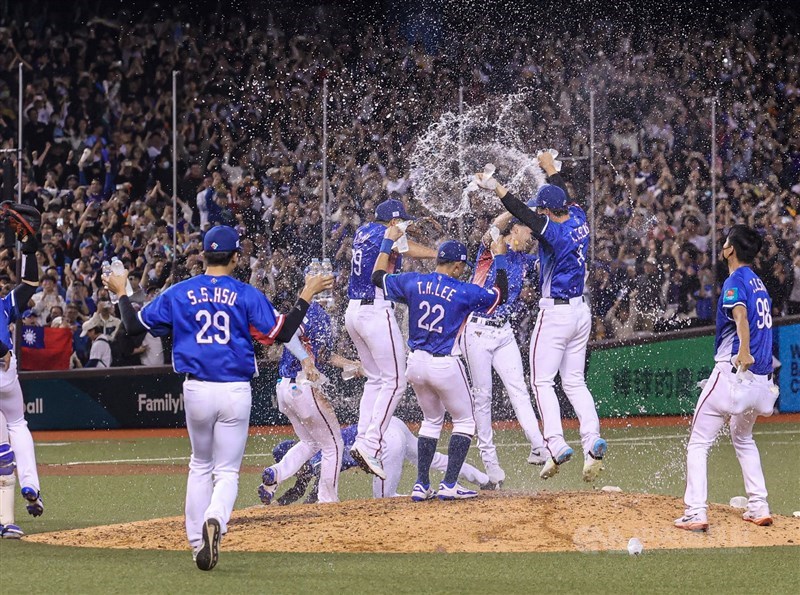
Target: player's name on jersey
<point x="441" y="291"/>
<point x="220" y="295"/>
<point x="579" y="233"/>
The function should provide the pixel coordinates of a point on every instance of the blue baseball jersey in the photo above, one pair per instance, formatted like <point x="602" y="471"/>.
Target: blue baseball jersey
<point x="366" y="248"/>
<point x="520" y="266"/>
<point x="210" y="319"/>
<point x="563" y="249"/>
<point x="349" y="434"/>
<point x="8" y="314"/>
<point x="745" y="288"/>
<point x="437" y="307"/>
<point x="316" y="333"/>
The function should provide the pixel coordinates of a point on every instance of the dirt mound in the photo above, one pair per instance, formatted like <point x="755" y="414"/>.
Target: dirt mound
<point x="494" y="522"/>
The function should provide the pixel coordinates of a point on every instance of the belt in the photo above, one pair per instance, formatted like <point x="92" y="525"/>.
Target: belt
<point x="495" y="322"/>
<point x="735" y="371"/>
<point x="563" y="301"/>
<point x="192" y="377"/>
<point x="434" y="354"/>
<point x="371" y="302"/>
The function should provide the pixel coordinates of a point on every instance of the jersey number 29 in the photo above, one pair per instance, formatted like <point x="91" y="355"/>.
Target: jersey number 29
<point x="221" y="323"/>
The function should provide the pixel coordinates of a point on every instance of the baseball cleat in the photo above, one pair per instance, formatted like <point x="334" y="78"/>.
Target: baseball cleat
<point x="11" y="531"/>
<point x="421" y="493"/>
<point x="599" y="449"/>
<point x="551" y="467"/>
<point x="34" y="498"/>
<point x="592" y="468"/>
<point x="491" y="485"/>
<point x="538" y="455"/>
<point x="454" y="492"/>
<point x="367" y="462"/>
<point x="208" y="554"/>
<point x="692" y="522"/>
<point x="266" y="491"/>
<point x="762" y="518"/>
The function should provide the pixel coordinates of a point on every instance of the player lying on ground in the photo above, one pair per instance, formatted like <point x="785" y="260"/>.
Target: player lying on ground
<point x="561" y="334"/>
<point x="739" y="389"/>
<point x="209" y="317"/>
<point x="401" y="445"/>
<point x="308" y="408"/>
<point x="438" y="305"/>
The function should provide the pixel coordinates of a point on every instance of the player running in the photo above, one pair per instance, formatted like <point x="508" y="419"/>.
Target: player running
<point x="489" y="342"/>
<point x="401" y="446"/>
<point x="308" y="409"/>
<point x="740" y="387"/>
<point x="209" y="317"/>
<point x="561" y="334"/>
<point x="438" y="305"/>
<point x="16" y="442"/>
<point x="372" y="326"/>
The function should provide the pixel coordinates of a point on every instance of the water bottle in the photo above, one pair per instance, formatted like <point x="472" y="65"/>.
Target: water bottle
<point x="117" y="268"/>
<point x="314" y="270"/>
<point x="635" y="546"/>
<point x="326" y="297"/>
<point x="738" y="502"/>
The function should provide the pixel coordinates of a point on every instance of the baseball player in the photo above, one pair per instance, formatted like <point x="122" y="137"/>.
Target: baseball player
<point x="489" y="342"/>
<point x="308" y="409"/>
<point x="438" y="305"/>
<point x="372" y="326"/>
<point x="401" y="445"/>
<point x="19" y="451"/>
<point x="740" y="386"/>
<point x="210" y="316"/>
<point x="558" y="343"/>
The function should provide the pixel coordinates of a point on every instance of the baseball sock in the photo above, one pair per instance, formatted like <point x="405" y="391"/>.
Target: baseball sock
<point x="456" y="455"/>
<point x="426" y="449"/>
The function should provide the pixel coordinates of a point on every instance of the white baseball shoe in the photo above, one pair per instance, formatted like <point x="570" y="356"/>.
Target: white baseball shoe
<point x="208" y="554"/>
<point x="455" y="492"/>
<point x="496" y="475"/>
<point x="696" y="522"/>
<point x="367" y="462"/>
<point x="538" y="455"/>
<point x="421" y="493"/>
<point x="551" y="467"/>
<point x="760" y="517"/>
<point x="593" y="463"/>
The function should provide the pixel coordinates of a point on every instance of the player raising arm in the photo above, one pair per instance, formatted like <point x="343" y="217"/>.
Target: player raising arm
<point x="561" y="334"/>
<point x="438" y="304"/>
<point x="210" y="316"/>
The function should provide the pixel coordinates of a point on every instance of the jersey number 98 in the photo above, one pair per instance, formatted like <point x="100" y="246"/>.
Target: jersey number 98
<point x="764" y="314"/>
<point x="221" y="323"/>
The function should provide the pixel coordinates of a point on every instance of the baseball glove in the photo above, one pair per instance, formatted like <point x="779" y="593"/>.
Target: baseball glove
<point x="23" y="219"/>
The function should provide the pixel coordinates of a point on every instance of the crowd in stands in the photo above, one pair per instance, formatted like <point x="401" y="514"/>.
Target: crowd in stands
<point x="97" y="128"/>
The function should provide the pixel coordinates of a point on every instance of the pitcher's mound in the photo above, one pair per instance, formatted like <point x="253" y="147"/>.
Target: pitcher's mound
<point x="494" y="522"/>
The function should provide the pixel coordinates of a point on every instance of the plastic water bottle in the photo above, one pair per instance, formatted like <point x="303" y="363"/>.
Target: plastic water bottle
<point x="349" y="372"/>
<point x="314" y="270"/>
<point x="326" y="297"/>
<point x="635" y="546"/>
<point x="738" y="502"/>
<point x="117" y="268"/>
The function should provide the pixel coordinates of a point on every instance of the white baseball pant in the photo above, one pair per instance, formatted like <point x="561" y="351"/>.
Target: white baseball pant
<point x="488" y="347"/>
<point x="7" y="481"/>
<point x="374" y="331"/>
<point x="401" y="445"/>
<point x="12" y="406"/>
<point x="440" y="384"/>
<point x="558" y="346"/>
<point x="714" y="406"/>
<point x="218" y="418"/>
<point x="315" y="424"/>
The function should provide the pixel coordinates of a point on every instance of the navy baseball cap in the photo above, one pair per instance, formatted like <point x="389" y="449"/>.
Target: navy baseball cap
<point x="453" y="251"/>
<point x="281" y="449"/>
<point x="392" y="209"/>
<point x="221" y="239"/>
<point x="548" y="196"/>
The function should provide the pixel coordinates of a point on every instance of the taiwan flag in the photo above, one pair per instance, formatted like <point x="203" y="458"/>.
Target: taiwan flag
<point x="45" y="348"/>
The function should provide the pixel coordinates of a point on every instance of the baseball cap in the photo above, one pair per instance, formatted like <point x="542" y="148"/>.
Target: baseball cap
<point x="93" y="322"/>
<point x="221" y="239"/>
<point x="392" y="209"/>
<point x="548" y="197"/>
<point x="281" y="449"/>
<point x="452" y="251"/>
<point x="29" y="312"/>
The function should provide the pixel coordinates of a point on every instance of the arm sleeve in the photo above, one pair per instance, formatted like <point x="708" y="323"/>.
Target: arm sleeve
<point x="129" y="318"/>
<point x="537" y="223"/>
<point x="156" y="317"/>
<point x="3" y="349"/>
<point x="557" y="180"/>
<point x="377" y="278"/>
<point x="292" y="321"/>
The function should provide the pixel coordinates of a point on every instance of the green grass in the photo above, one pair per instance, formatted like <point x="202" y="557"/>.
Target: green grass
<point x="640" y="459"/>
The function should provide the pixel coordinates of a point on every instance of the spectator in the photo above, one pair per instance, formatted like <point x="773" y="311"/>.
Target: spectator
<point x="100" y="354"/>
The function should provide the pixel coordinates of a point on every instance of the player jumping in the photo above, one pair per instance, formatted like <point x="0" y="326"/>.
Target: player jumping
<point x="561" y="334"/>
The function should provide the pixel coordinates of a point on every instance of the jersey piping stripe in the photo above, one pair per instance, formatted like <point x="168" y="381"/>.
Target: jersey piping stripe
<point x="389" y="408"/>
<point x="533" y="378"/>
<point x="277" y="328"/>
<point x="700" y="406"/>
<point x="333" y="437"/>
<point x="139" y="316"/>
<point x="496" y="300"/>
<point x="469" y="392"/>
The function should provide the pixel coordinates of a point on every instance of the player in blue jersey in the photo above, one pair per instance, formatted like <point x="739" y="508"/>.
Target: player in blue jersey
<point x="16" y="443"/>
<point x="312" y="416"/>
<point x="401" y="446"/>
<point x="740" y="387"/>
<point x="438" y="306"/>
<point x="209" y="317"/>
<point x="489" y="342"/>
<point x="561" y="334"/>
<point x="372" y="326"/>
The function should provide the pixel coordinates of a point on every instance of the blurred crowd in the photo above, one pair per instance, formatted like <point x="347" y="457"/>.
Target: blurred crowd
<point x="98" y="129"/>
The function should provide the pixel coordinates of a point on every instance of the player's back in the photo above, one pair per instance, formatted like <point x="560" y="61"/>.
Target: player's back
<point x="316" y="335"/>
<point x="210" y="317"/>
<point x="366" y="248"/>
<point x="563" y="256"/>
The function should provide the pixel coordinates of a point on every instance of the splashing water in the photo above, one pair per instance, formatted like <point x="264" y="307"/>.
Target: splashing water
<point x="451" y="150"/>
